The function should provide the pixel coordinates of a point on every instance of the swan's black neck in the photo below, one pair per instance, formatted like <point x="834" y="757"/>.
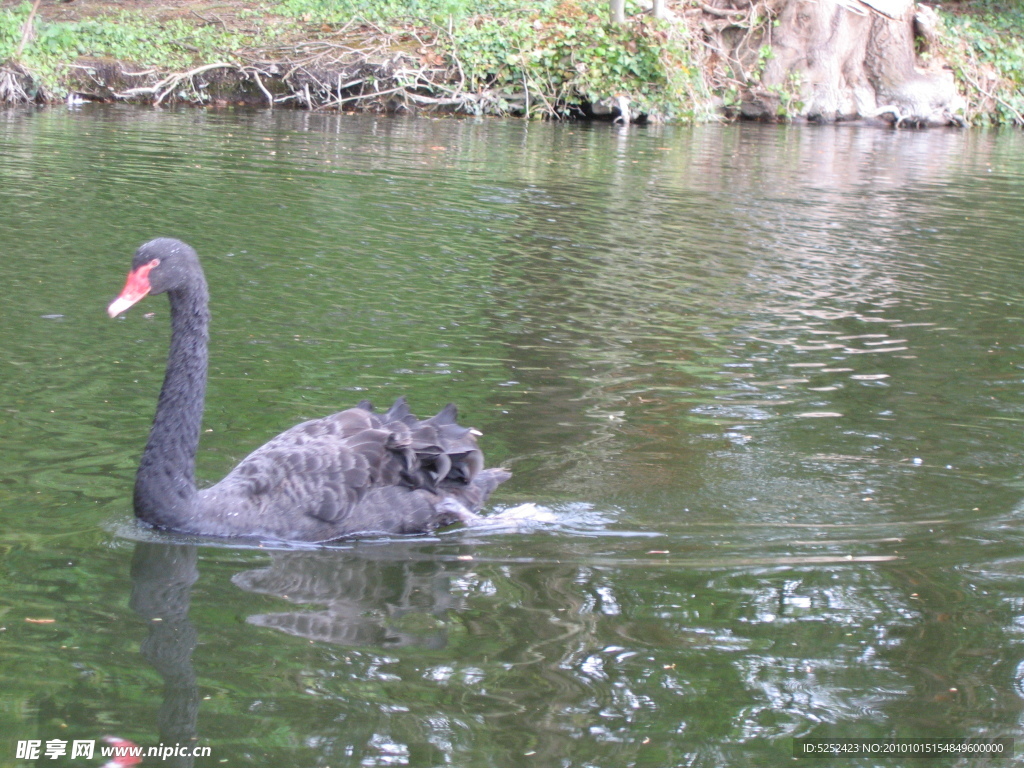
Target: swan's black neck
<point x="165" y="486"/>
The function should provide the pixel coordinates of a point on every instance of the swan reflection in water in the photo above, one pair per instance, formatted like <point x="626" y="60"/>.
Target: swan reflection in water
<point x="379" y="598"/>
<point x="162" y="579"/>
<point x="378" y="595"/>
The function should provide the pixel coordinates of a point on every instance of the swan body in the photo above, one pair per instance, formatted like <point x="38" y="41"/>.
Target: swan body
<point x="353" y="473"/>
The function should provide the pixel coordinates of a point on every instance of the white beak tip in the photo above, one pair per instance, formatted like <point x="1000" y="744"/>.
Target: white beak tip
<point x="117" y="306"/>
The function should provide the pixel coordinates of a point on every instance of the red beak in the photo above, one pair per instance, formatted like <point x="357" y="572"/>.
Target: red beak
<point x="135" y="289"/>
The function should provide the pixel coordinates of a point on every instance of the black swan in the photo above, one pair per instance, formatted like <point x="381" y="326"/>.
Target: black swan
<point x="352" y="473"/>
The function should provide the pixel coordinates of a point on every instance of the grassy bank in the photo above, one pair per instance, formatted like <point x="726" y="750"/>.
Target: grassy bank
<point x="488" y="57"/>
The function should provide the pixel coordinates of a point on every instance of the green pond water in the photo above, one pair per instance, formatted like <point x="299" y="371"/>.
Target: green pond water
<point x="766" y="385"/>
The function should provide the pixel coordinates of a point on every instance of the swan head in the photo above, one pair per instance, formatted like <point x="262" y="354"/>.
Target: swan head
<point x="160" y="265"/>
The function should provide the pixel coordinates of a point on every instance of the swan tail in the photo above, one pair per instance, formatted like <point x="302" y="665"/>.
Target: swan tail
<point x="436" y="453"/>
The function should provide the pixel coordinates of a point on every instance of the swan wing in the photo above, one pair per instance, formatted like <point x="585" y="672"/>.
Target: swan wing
<point x="327" y="468"/>
<point x="321" y="468"/>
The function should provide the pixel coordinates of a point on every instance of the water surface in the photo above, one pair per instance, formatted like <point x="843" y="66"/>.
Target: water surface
<point x="768" y="381"/>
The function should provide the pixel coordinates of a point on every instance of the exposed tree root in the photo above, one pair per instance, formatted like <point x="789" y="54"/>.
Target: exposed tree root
<point x="15" y="85"/>
<point x="377" y="73"/>
<point x="382" y="71"/>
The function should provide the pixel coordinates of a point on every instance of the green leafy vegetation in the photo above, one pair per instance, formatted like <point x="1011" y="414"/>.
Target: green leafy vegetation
<point x="548" y="62"/>
<point x="986" y="50"/>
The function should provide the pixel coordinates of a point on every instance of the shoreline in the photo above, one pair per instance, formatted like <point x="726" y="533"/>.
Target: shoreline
<point x="209" y="53"/>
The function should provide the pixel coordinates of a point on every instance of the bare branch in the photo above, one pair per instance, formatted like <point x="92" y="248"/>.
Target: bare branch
<point x="26" y="30"/>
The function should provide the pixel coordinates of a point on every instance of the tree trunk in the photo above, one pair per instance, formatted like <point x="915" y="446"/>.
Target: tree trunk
<point x="830" y="60"/>
<point x="617" y="11"/>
